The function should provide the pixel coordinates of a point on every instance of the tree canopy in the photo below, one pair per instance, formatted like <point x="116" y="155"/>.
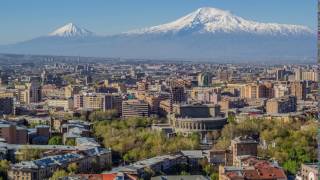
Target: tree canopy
<point x="103" y="115"/>
<point x="55" y="140"/>
<point x="27" y="153"/>
<point x="134" y="140"/>
<point x="59" y="174"/>
<point x="289" y="143"/>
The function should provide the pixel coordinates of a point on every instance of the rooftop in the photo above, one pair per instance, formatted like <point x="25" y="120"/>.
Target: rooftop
<point x="244" y="139"/>
<point x="48" y="161"/>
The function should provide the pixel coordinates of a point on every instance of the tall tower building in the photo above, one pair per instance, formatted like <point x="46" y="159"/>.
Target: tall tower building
<point x="204" y="79"/>
<point x="178" y="94"/>
<point x="298" y="89"/>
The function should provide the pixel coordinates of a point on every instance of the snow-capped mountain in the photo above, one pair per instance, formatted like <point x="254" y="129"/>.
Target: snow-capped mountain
<point x="207" y="33"/>
<point x="212" y="20"/>
<point x="71" y="30"/>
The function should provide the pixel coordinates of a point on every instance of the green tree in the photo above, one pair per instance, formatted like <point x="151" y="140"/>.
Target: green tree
<point x="59" y="174"/>
<point x="67" y="116"/>
<point x="291" y="166"/>
<point x="133" y="139"/>
<point x="103" y="115"/>
<point x="27" y="153"/>
<point x="72" y="168"/>
<point x="231" y="119"/>
<point x="55" y="140"/>
<point x="291" y="144"/>
<point x="4" y="167"/>
<point x="71" y="142"/>
<point x="214" y="176"/>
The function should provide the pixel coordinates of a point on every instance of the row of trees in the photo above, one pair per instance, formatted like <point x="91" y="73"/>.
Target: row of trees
<point x="133" y="139"/>
<point x="290" y="143"/>
<point x="88" y="115"/>
<point x="27" y="153"/>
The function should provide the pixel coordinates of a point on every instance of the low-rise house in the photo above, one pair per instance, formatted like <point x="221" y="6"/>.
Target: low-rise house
<point x="219" y="157"/>
<point x="88" y="142"/>
<point x="308" y="172"/>
<point x="193" y="158"/>
<point x="157" y="164"/>
<point x="252" y="168"/>
<point x="184" y="177"/>
<point x="111" y="176"/>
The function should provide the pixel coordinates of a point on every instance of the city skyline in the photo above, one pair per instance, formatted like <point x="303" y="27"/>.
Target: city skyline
<point x="153" y="90"/>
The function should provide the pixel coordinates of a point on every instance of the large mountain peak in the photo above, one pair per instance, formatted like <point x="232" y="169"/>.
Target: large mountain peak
<point x="213" y="20"/>
<point x="209" y="12"/>
<point x="71" y="30"/>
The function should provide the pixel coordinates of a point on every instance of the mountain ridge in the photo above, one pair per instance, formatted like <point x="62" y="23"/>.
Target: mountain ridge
<point x="215" y="20"/>
<point x="204" y="33"/>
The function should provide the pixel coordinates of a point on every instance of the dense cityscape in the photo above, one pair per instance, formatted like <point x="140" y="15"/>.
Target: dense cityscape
<point x="97" y="118"/>
<point x="159" y="90"/>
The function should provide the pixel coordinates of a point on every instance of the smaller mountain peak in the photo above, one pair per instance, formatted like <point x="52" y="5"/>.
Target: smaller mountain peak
<point x="71" y="30"/>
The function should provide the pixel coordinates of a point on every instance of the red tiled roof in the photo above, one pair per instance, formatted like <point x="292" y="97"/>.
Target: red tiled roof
<point x="111" y="176"/>
<point x="263" y="170"/>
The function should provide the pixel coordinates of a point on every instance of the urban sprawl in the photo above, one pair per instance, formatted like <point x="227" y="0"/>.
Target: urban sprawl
<point x="82" y="119"/>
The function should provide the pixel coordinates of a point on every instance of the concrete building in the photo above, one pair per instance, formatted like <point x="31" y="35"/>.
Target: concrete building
<point x="252" y="168"/>
<point x="206" y="94"/>
<point x="184" y="177"/>
<point x="134" y="108"/>
<point x="7" y="105"/>
<point x="43" y="130"/>
<point x="22" y="94"/>
<point x="13" y="134"/>
<point x="166" y="107"/>
<point x="306" y="75"/>
<point x="154" y="99"/>
<point x="94" y="102"/>
<point x="257" y="90"/>
<point x="227" y="103"/>
<point x="197" y="118"/>
<point x="196" y="110"/>
<point x="298" y="89"/>
<point x="253" y="91"/>
<point x="220" y="157"/>
<point x="97" y="101"/>
<point x="45" y="167"/>
<point x="204" y="79"/>
<point x="200" y="125"/>
<point x="243" y="146"/>
<point x="178" y="94"/>
<point x="309" y="172"/>
<point x="158" y="164"/>
<point x="284" y="104"/>
<point x="51" y="91"/>
<point x="280" y="90"/>
<point x="66" y="104"/>
<point x="34" y="89"/>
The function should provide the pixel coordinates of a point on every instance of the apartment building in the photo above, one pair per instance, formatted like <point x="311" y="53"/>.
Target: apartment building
<point x="134" y="108"/>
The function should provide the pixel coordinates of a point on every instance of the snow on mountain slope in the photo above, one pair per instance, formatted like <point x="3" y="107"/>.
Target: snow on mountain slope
<point x="71" y="30"/>
<point x="212" y="20"/>
<point x="206" y="33"/>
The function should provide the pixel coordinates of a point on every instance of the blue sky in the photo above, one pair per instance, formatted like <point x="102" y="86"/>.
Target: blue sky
<point x="26" y="19"/>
